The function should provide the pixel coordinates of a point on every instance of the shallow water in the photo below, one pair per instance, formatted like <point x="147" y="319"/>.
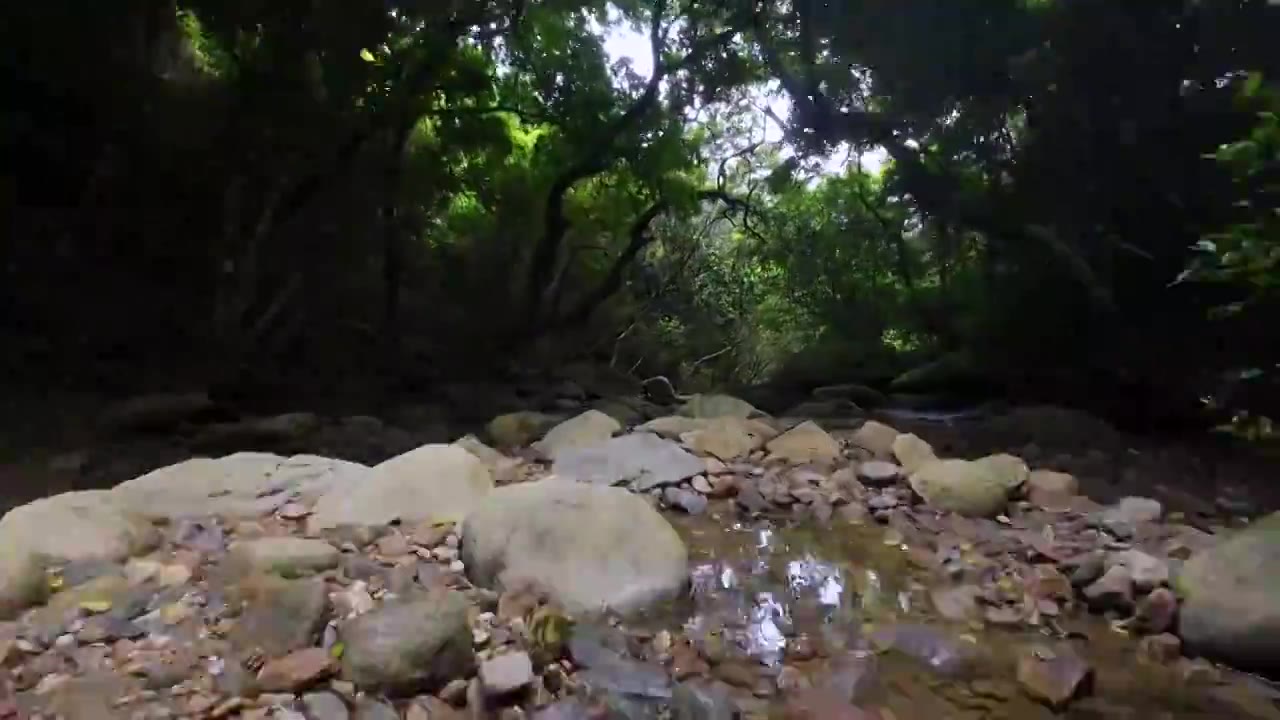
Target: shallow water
<point x="849" y="608"/>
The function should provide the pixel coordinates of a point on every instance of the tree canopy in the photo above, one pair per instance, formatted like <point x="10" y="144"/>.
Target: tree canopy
<point x="1078" y="197"/>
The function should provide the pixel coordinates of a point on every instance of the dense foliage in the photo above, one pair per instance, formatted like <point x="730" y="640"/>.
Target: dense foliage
<point x="346" y="195"/>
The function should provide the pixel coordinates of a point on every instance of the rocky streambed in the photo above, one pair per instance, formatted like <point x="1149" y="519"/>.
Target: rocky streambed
<point x="710" y="563"/>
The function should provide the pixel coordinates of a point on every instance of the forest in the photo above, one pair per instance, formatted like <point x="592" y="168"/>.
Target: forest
<point x="1070" y="201"/>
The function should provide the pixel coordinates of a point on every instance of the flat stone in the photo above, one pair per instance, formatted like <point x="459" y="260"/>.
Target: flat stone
<point x="434" y="483"/>
<point x="641" y="461"/>
<point x="296" y="671"/>
<point x="1123" y="518"/>
<point x="325" y="706"/>
<point x="582" y="431"/>
<point x="1051" y="490"/>
<point x="506" y="673"/>
<point x="879" y="472"/>
<point x="592" y="547"/>
<point x="411" y="646"/>
<point x="289" y="557"/>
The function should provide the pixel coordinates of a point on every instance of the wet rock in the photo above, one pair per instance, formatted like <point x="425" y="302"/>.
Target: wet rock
<point x="519" y="428"/>
<point x="1051" y="490"/>
<point x="1231" y="598"/>
<point x="1147" y="572"/>
<point x="805" y="443"/>
<point x="1085" y="569"/>
<point x="1162" y="649"/>
<point x="289" y="557"/>
<point x="687" y="500"/>
<point x="966" y="487"/>
<point x="727" y="438"/>
<point x="701" y="701"/>
<point x="912" y="452"/>
<point x="938" y="649"/>
<point x="368" y="708"/>
<point x="589" y="429"/>
<point x="879" y="472"/>
<point x="876" y="438"/>
<point x="591" y="547"/>
<point x="714" y="406"/>
<point x="1123" y="518"/>
<point x="958" y="603"/>
<point x="1157" y="611"/>
<point x="1113" y="591"/>
<point x="434" y="483"/>
<point x="325" y="706"/>
<point x="505" y="674"/>
<point x="702" y="485"/>
<point x="1053" y="677"/>
<point x="296" y="671"/>
<point x="642" y="461"/>
<point x="823" y="704"/>
<point x="282" y="616"/>
<point x="421" y="644"/>
<point x="750" y="499"/>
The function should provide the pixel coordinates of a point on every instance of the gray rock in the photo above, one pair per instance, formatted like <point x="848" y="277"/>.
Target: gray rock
<point x="698" y="701"/>
<point x="289" y="557"/>
<point x="641" y="461"/>
<point x="710" y="406"/>
<point x="506" y="674"/>
<point x="912" y="452"/>
<point x="22" y="581"/>
<point x="875" y="437"/>
<point x="589" y="429"/>
<point x="368" y="708"/>
<point x="418" y="645"/>
<point x="288" y="615"/>
<point x="726" y="438"/>
<point x="325" y="706"/>
<point x="1123" y="518"/>
<point x="434" y="483"/>
<point x="687" y="500"/>
<point x="1231" y="598"/>
<point x="1147" y="571"/>
<point x="1112" y="591"/>
<point x="593" y="547"/>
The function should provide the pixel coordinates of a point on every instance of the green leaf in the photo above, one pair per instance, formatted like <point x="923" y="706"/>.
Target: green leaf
<point x="367" y="56"/>
<point x="1252" y="85"/>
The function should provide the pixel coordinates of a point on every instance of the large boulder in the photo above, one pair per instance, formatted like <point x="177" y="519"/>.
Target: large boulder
<point x="594" y="548"/>
<point x="434" y="483"/>
<point x="1231" y="599"/>
<point x="805" y="443"/>
<point x="409" y="646"/>
<point x="642" y="461"/>
<point x="242" y="485"/>
<point x="590" y="428"/>
<point x="976" y="488"/>
<point x="727" y="438"/>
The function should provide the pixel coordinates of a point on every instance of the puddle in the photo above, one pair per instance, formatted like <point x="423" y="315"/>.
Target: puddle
<point x="847" y="609"/>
